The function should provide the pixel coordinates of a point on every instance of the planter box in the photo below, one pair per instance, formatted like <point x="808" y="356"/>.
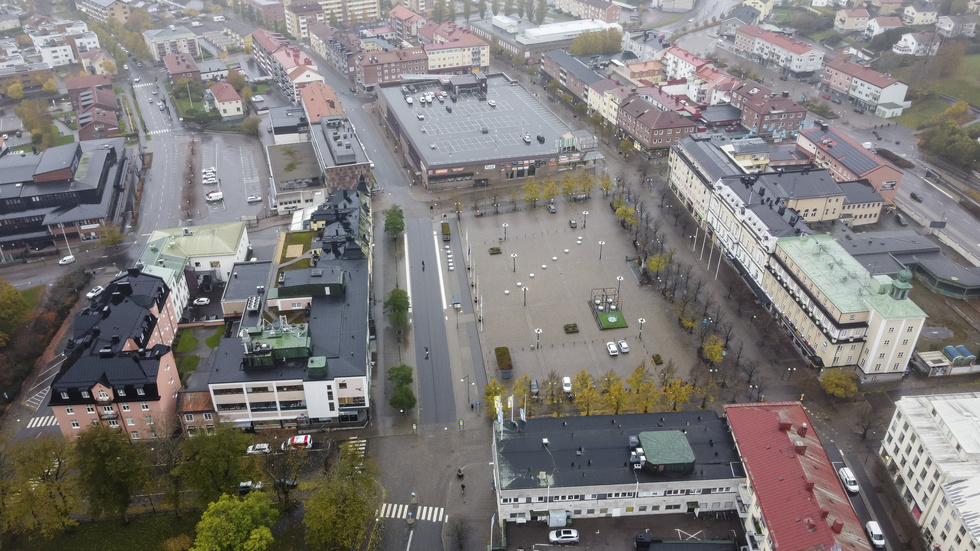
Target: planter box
<point x="571" y="328"/>
<point x="504" y="363"/>
<point x="495" y="250"/>
<point x="657" y="359"/>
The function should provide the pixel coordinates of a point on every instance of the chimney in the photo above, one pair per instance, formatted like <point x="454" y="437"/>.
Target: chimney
<point x="800" y="447"/>
<point x="785" y="425"/>
<point x="802" y="431"/>
<point x="837" y="526"/>
<point x="808" y="485"/>
<point x="824" y="512"/>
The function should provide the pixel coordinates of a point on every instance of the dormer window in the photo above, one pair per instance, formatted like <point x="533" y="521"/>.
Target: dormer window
<point x="103" y="395"/>
<point x="85" y="394"/>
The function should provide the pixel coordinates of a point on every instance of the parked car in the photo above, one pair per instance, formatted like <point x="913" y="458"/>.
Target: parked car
<point x="491" y="103"/>
<point x="137" y="79"/>
<point x="247" y="486"/>
<point x="534" y="387"/>
<point x="566" y="385"/>
<point x="449" y="108"/>
<point x="565" y="535"/>
<point x="253" y="199"/>
<point x="783" y="77"/>
<point x="552" y="209"/>
<point x="623" y="347"/>
<point x="202" y="301"/>
<point x="256" y="449"/>
<point x="901" y="220"/>
<point x="67" y="260"/>
<point x="611" y="348"/>
<point x="156" y="91"/>
<point x="96" y="291"/>
<point x="526" y="138"/>
<point x="916" y="197"/>
<point x="301" y="442"/>
<point x="874" y="534"/>
<point x="825" y="96"/>
<point x="837" y="101"/>
<point x="847" y="479"/>
<point x="573" y="223"/>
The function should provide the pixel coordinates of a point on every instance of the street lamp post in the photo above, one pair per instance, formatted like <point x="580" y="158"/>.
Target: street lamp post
<point x="525" y="295"/>
<point x="642" y="321"/>
<point x="466" y="379"/>
<point x="619" y="284"/>
<point x="601" y="243"/>
<point x="537" y="337"/>
<point x="505" y="231"/>
<point x="514" y="256"/>
<point x="585" y="218"/>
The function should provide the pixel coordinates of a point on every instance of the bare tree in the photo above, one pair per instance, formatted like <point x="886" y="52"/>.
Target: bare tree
<point x="750" y="369"/>
<point x="726" y="330"/>
<point x="761" y="384"/>
<point x="867" y="419"/>
<point x="694" y="287"/>
<point x="666" y="373"/>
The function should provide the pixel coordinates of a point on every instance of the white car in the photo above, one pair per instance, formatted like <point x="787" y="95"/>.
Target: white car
<point x="623" y="347"/>
<point x="256" y="449"/>
<point x="847" y="479"/>
<point x="253" y="199"/>
<point x="566" y="384"/>
<point x="611" y="348"/>
<point x="96" y="291"/>
<point x="155" y="91"/>
<point x="491" y="103"/>
<point x="257" y="99"/>
<point x="137" y="79"/>
<point x="565" y="535"/>
<point x="210" y="169"/>
<point x="67" y="260"/>
<point x="874" y="533"/>
<point x="150" y="100"/>
<point x="202" y="301"/>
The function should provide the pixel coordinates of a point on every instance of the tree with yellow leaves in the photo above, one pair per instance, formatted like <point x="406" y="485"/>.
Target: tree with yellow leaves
<point x="587" y="398"/>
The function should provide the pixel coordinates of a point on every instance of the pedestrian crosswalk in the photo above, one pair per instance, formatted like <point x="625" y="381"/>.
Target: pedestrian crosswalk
<point x="358" y="444"/>
<point x="46" y="421"/>
<point x="401" y="510"/>
<point x="35" y="401"/>
<point x="160" y="131"/>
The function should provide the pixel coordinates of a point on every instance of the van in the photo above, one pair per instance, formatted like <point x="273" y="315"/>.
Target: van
<point x="847" y="479"/>
<point x="213" y="196"/>
<point x="218" y="19"/>
<point x="301" y="442"/>
<point x="874" y="534"/>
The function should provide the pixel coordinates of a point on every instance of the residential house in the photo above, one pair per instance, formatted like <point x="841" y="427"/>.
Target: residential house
<point x="97" y="124"/>
<point x="792" y="57"/>
<point x="888" y="7"/>
<point x="299" y="17"/>
<point x="573" y="75"/>
<point x="951" y="26"/>
<point x="790" y="476"/>
<point x="917" y="44"/>
<point x="374" y="68"/>
<point x="180" y="66"/>
<point x="919" y="14"/>
<point x="320" y="100"/>
<point x="867" y="87"/>
<point x="264" y="45"/>
<point x="212" y="69"/>
<point x="103" y="10"/>
<point x="171" y="40"/>
<point x="267" y="12"/>
<point x="847" y="160"/>
<point x="292" y="69"/>
<point x="644" y="72"/>
<point x="9" y="20"/>
<point x="465" y="54"/>
<point x="224" y="100"/>
<point x="119" y="370"/>
<point x="879" y="25"/>
<point x="336" y="46"/>
<point x="651" y="128"/>
<point x="83" y="92"/>
<point x="764" y="7"/>
<point x="678" y="63"/>
<point x="299" y="78"/>
<point x="30" y="75"/>
<point x="936" y="432"/>
<point x="405" y="23"/>
<point x="741" y="15"/>
<point x="851" y="20"/>
<point x="98" y="62"/>
<point x="765" y="112"/>
<point x="349" y="11"/>
<point x="590" y="9"/>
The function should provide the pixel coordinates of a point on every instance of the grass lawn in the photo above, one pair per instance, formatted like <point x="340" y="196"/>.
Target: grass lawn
<point x="822" y="34"/>
<point x="150" y="531"/>
<point x="612" y="320"/>
<point x="965" y="84"/>
<point x="186" y="342"/>
<point x="58" y="139"/>
<point x="783" y="15"/>
<point x="188" y="364"/>
<point x="941" y="315"/>
<point x="921" y="113"/>
<point x="261" y="89"/>
<point x="298" y="238"/>
<point x="33" y="297"/>
<point x="215" y="339"/>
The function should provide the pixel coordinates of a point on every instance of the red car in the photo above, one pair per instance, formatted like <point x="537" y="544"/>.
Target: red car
<point x="825" y="96"/>
<point x="731" y="129"/>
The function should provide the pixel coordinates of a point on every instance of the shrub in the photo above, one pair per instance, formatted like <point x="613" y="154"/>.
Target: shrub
<point x="494" y="250"/>
<point x="895" y="159"/>
<point x="503" y="358"/>
<point x="571" y="327"/>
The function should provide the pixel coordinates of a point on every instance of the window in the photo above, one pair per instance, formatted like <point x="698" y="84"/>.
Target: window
<point x="64" y="395"/>
<point x="74" y="424"/>
<point x="207" y="416"/>
<point x="69" y="410"/>
<point x="85" y="394"/>
<point x="189" y="417"/>
<point x="144" y="406"/>
<point x="147" y="419"/>
<point x="89" y="409"/>
<point x="135" y="435"/>
<point x="130" y="421"/>
<point x="121" y="392"/>
<point x="141" y="392"/>
<point x="125" y="406"/>
<point x="113" y="423"/>
<point x="103" y="395"/>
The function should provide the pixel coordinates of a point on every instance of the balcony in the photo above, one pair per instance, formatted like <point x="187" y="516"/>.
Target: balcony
<point x="108" y="416"/>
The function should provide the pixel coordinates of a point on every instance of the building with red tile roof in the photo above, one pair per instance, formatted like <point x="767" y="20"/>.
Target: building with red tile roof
<point x="373" y="68"/>
<point x="405" y="22"/>
<point x="793" y="498"/>
<point x="680" y="63"/>
<point x="320" y="100"/>
<point x="181" y="66"/>
<point x="764" y="112"/>
<point x="652" y="128"/>
<point x="879" y="25"/>
<point x="222" y="98"/>
<point x="792" y="57"/>
<point x="264" y="44"/>
<point x="865" y="86"/>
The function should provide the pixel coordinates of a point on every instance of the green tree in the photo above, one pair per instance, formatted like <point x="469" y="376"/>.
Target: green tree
<point x="947" y="60"/>
<point x="839" y="383"/>
<point x="626" y="146"/>
<point x="339" y="512"/>
<point x="550" y="190"/>
<point x="520" y="9"/>
<point x="111" y="236"/>
<point x="540" y="11"/>
<point x="110" y="470"/>
<point x="394" y="221"/>
<point x="493" y="389"/>
<point x="15" y="91"/>
<point x="467" y="10"/>
<point x="627" y="215"/>
<point x="714" y="349"/>
<point x="605" y="184"/>
<point x="401" y="374"/>
<point x="13" y="311"/>
<point x="403" y="398"/>
<point x="397" y="306"/>
<point x="281" y="469"/>
<point x="50" y="85"/>
<point x="250" y="126"/>
<point x="553" y="87"/>
<point x="213" y="463"/>
<point x="508" y="7"/>
<point x="439" y="10"/>
<point x="675" y="395"/>
<point x="167" y="456"/>
<point x="232" y="524"/>
<point x="615" y="398"/>
<point x="481" y="7"/>
<point x="45" y="496"/>
<point x="659" y="262"/>
<point x="643" y="390"/>
<point x="246" y="94"/>
<point x="451" y="10"/>
<point x="523" y="397"/>
<point x="495" y="6"/>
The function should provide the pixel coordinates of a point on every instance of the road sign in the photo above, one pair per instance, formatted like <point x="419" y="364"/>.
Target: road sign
<point x="937" y="224"/>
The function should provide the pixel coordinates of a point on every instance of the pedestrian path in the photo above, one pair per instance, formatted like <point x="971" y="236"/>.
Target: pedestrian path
<point x="160" y="131"/>
<point x="35" y="401"/>
<point x="401" y="510"/>
<point x="358" y="444"/>
<point x="46" y="421"/>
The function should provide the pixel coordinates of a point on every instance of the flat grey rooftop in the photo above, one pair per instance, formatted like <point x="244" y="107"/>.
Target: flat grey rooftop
<point x="456" y="139"/>
<point x="245" y="277"/>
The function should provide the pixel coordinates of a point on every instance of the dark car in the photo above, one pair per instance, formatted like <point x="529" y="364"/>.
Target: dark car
<point x="916" y="197"/>
<point x="449" y="108"/>
<point x="783" y="77"/>
<point x="837" y="101"/>
<point x="540" y="138"/>
<point x="859" y="110"/>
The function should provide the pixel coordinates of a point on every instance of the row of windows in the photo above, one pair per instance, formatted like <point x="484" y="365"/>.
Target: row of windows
<point x="90" y="409"/>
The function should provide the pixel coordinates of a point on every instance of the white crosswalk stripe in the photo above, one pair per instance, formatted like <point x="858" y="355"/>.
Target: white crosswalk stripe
<point x="160" y="131"/>
<point x="401" y="510"/>
<point x="46" y="421"/>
